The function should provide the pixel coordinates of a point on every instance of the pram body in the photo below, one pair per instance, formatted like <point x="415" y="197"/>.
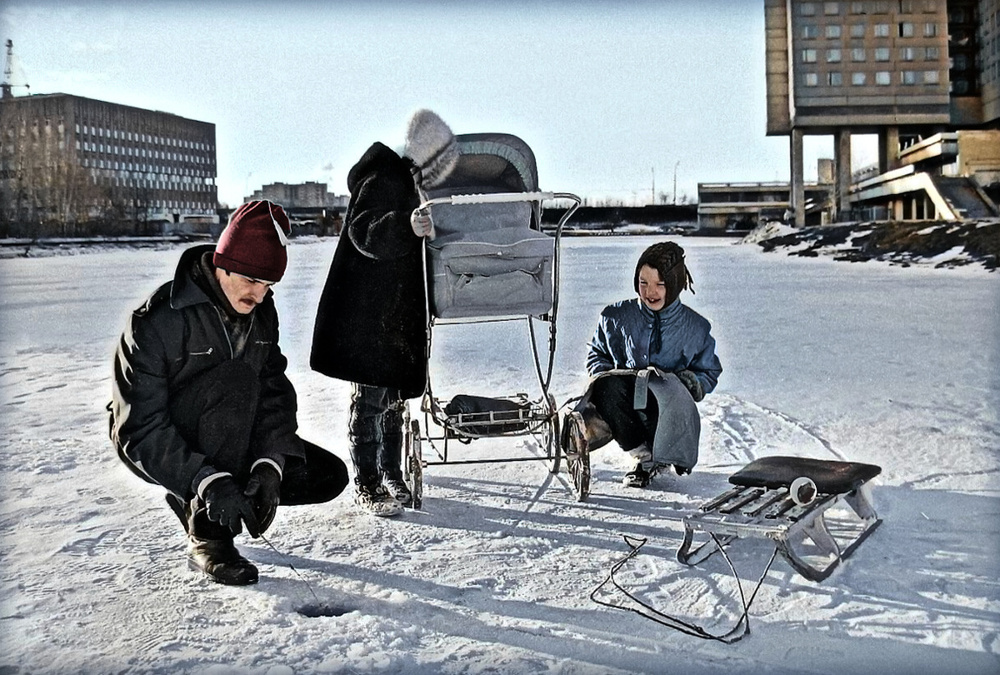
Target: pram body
<point x="489" y="260"/>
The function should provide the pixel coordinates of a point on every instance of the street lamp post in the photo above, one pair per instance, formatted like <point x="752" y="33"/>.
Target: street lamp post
<point x="676" y="164"/>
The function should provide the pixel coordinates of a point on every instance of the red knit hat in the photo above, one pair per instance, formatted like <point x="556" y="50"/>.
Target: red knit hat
<point x="253" y="244"/>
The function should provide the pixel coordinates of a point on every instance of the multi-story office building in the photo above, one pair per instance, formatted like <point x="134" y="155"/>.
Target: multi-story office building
<point x="906" y="70"/>
<point x="67" y="159"/>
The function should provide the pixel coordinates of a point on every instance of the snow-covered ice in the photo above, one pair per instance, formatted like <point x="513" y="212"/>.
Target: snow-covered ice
<point x="868" y="362"/>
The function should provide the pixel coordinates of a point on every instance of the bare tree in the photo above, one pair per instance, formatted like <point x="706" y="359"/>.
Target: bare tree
<point x="43" y="188"/>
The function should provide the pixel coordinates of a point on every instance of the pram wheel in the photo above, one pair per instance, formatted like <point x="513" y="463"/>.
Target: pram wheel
<point x="413" y="463"/>
<point x="553" y="448"/>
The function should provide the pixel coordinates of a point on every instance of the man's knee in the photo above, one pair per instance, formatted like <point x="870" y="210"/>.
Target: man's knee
<point x="318" y="477"/>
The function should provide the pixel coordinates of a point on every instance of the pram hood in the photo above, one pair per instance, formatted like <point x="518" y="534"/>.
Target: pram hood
<point x="490" y="163"/>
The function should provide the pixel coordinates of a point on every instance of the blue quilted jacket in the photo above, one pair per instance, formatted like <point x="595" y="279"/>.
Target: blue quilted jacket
<point x="624" y="335"/>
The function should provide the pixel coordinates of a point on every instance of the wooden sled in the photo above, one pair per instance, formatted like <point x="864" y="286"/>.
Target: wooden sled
<point x="761" y="506"/>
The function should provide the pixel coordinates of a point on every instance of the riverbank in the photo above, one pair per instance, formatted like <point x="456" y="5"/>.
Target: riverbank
<point x="939" y="244"/>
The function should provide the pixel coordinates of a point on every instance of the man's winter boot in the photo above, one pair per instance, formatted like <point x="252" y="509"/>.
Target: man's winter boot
<point x="376" y="500"/>
<point x="219" y="560"/>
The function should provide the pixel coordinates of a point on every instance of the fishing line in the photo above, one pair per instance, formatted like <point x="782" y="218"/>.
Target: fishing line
<point x="285" y="558"/>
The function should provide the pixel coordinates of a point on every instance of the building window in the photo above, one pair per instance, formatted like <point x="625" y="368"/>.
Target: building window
<point x="858" y="79"/>
<point x="930" y="5"/>
<point x="881" y="30"/>
<point x="858" y="30"/>
<point x="831" y="8"/>
<point x="881" y="53"/>
<point x="908" y="77"/>
<point x="907" y="53"/>
<point x="858" y="8"/>
<point x="833" y="56"/>
<point x="906" y="29"/>
<point x="930" y="30"/>
<point x="809" y="56"/>
<point x="834" y="78"/>
<point x="833" y="32"/>
<point x="932" y="53"/>
<point x="905" y="6"/>
<point x="883" y="78"/>
<point x="810" y="31"/>
<point x="880" y="7"/>
<point x="931" y="77"/>
<point x="807" y="9"/>
<point x="811" y="79"/>
<point x="858" y="54"/>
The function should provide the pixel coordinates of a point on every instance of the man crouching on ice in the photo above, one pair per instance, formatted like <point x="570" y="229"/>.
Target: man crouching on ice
<point x="201" y="403"/>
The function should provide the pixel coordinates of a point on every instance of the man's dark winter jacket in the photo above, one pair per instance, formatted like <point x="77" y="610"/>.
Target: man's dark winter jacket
<point x="175" y="336"/>
<point x="371" y="325"/>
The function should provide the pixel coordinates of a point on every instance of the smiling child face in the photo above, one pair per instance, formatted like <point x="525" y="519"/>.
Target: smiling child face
<point x="652" y="290"/>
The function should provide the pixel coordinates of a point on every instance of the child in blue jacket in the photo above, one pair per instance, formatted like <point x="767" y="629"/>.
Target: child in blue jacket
<point x="652" y="414"/>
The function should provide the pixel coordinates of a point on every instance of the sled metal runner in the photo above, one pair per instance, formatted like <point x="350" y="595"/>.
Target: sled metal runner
<point x="488" y="261"/>
<point x="760" y="506"/>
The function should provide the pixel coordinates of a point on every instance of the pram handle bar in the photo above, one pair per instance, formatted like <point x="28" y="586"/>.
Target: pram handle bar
<point x="496" y="197"/>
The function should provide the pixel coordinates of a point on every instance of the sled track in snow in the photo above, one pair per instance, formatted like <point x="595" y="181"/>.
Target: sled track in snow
<point x="739" y="422"/>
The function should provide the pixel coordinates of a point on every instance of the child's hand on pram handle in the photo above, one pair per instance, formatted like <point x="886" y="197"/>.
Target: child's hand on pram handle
<point x="420" y="221"/>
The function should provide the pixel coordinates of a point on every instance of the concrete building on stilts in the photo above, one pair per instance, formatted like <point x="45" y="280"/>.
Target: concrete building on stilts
<point x="922" y="75"/>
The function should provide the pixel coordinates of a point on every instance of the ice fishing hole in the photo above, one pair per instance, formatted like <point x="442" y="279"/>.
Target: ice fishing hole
<point x="315" y="610"/>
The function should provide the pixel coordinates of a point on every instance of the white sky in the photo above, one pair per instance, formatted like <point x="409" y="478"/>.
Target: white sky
<point x="610" y="95"/>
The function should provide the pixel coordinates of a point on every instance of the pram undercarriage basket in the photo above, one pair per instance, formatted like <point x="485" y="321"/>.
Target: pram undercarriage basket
<point x="489" y="261"/>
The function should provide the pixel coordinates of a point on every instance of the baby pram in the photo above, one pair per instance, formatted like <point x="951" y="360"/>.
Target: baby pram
<point x="489" y="261"/>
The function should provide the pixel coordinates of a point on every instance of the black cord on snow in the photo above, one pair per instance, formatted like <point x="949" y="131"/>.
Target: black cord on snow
<point x="649" y="612"/>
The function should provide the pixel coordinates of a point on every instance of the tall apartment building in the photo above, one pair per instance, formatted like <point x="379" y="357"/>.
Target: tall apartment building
<point x="67" y="159"/>
<point x="906" y="70"/>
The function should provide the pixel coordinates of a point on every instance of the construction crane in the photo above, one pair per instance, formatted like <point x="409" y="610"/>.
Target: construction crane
<point x="7" y="86"/>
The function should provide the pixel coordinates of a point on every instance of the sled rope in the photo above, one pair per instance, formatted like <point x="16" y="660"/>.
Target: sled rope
<point x="694" y="630"/>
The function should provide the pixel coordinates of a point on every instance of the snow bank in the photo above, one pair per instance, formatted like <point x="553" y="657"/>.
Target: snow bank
<point x="946" y="244"/>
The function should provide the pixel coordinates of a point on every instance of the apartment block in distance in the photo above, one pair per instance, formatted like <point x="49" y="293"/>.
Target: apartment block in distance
<point x="922" y="75"/>
<point x="67" y="161"/>
<point x="301" y="195"/>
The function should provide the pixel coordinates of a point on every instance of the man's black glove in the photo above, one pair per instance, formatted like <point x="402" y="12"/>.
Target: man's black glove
<point x="228" y="506"/>
<point x="263" y="492"/>
<point x="693" y="384"/>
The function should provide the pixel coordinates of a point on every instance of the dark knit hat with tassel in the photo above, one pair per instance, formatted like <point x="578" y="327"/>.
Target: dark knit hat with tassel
<point x="667" y="258"/>
<point x="254" y="242"/>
